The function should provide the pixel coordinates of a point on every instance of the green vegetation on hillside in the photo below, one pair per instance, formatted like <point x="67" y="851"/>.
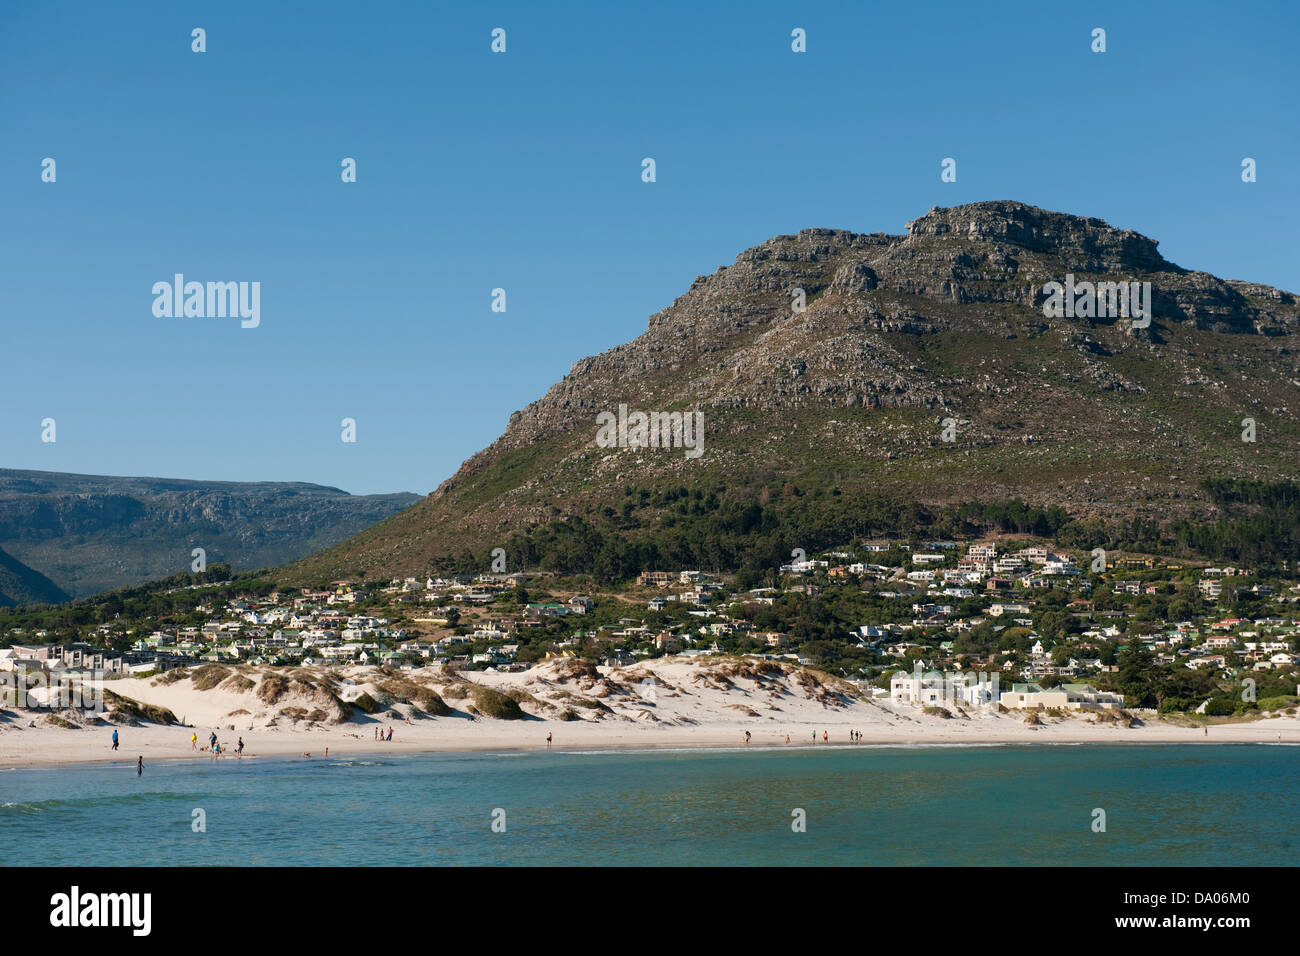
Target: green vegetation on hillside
<point x="706" y="528"/>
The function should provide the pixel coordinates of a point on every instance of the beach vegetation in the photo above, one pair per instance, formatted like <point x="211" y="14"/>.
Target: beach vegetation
<point x="208" y="676"/>
<point x="493" y="703"/>
<point x="1277" y="703"/>
<point x="125" y="710"/>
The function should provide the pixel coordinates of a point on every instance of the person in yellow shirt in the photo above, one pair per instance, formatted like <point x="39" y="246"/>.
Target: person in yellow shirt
<point x="194" y="741"/>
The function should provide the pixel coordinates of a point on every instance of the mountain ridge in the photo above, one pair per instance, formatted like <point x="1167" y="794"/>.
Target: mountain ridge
<point x="93" y="533"/>
<point x="899" y="334"/>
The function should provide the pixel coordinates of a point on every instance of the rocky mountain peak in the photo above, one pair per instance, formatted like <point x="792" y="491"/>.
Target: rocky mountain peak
<point x="1084" y="240"/>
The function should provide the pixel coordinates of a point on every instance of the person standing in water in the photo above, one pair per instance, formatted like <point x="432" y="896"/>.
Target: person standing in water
<point x="139" y="765"/>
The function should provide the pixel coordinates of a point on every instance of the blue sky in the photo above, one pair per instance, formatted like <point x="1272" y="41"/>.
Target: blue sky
<point x="522" y="171"/>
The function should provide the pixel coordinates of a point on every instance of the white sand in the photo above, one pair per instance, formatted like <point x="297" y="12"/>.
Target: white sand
<point x="693" y="705"/>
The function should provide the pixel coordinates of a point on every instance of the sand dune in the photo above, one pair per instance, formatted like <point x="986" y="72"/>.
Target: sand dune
<point x="661" y="704"/>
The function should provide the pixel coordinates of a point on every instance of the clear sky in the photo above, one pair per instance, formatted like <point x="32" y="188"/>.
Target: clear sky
<point x="522" y="171"/>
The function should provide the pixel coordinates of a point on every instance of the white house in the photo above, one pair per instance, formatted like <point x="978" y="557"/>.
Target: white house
<point x="934" y="689"/>
<point x="1061" y="697"/>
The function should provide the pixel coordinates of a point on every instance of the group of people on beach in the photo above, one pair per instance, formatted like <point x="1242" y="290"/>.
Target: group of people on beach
<point x="382" y="737"/>
<point x="213" y="747"/>
<point x="854" y="736"/>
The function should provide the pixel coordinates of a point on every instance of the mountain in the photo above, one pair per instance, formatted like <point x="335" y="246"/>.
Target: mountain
<point x="832" y="421"/>
<point x="91" y="533"/>
<point x="20" y="584"/>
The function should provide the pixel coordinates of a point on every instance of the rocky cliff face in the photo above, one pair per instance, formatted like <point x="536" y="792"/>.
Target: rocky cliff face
<point x="91" y="533"/>
<point x="899" y="335"/>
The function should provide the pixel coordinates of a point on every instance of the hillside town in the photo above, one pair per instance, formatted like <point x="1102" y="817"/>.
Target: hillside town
<point x="1044" y="628"/>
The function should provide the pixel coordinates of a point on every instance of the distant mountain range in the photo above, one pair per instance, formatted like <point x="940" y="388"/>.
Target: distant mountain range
<point x="89" y="533"/>
<point x="924" y="370"/>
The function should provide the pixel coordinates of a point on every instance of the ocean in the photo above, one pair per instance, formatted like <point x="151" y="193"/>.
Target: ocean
<point x="1193" y="805"/>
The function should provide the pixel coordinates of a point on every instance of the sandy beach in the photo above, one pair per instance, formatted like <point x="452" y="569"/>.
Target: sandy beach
<point x="662" y="704"/>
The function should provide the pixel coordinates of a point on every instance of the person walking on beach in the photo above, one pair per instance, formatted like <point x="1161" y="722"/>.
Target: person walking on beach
<point x="826" y="736"/>
<point x="139" y="765"/>
<point x="115" y="739"/>
<point x="787" y="738"/>
<point x="548" y="738"/>
<point x="327" y="753"/>
<point x="194" y="741"/>
<point x="747" y="736"/>
<point x="212" y="739"/>
<point x="390" y="735"/>
<point x="240" y="749"/>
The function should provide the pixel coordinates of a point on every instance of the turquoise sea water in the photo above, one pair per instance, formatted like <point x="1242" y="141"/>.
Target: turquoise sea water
<point x="1165" y="805"/>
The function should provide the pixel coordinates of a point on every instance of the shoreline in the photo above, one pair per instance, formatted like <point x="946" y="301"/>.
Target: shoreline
<point x="159" y="744"/>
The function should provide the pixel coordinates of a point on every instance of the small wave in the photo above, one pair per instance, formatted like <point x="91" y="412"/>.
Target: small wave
<point x="21" y="808"/>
